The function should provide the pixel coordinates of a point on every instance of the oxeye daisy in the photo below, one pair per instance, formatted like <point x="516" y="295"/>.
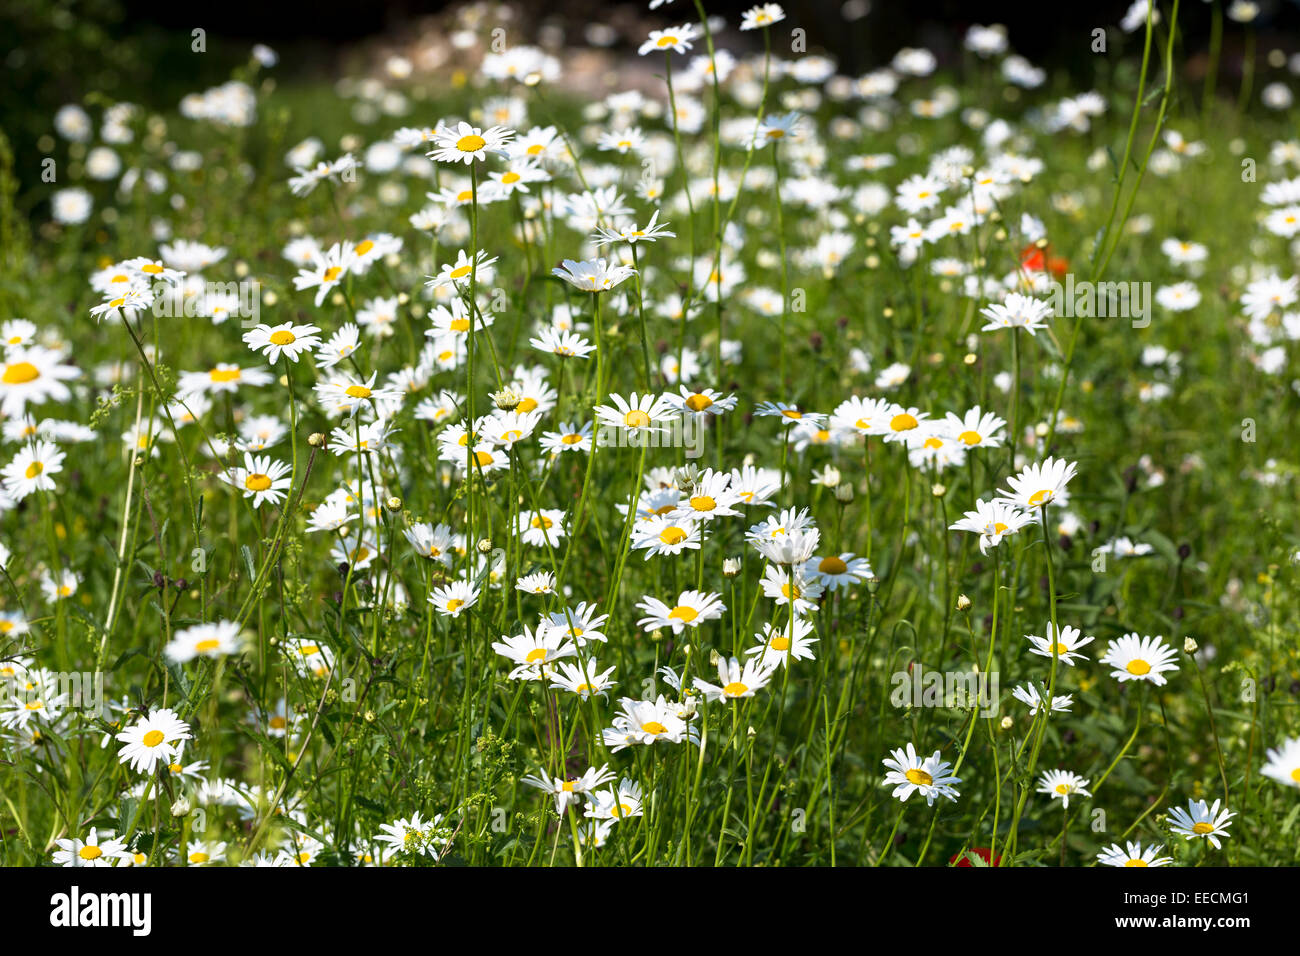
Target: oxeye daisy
<point x="541" y="527"/>
<point x="861" y="415"/>
<point x="837" y="571"/>
<point x="632" y="233"/>
<point x="567" y="344"/>
<point x="709" y="497"/>
<point x="1132" y="854"/>
<point x="615" y="805"/>
<point x="454" y="599"/>
<point x="204" y="640"/>
<point x="692" y="609"/>
<point x="326" y="271"/>
<point x="592" y="275"/>
<point x="976" y="428"/>
<point x="665" y="535"/>
<point x="33" y="375"/>
<point x="32" y="469"/>
<point x="584" y="679"/>
<point x="899" y="424"/>
<point x="789" y="414"/>
<point x="347" y="394"/>
<point x="567" y="791"/>
<point x="646" y="722"/>
<point x="95" y="850"/>
<point x="540" y="582"/>
<point x="309" y="657"/>
<point x="992" y="521"/>
<point x="636" y="413"/>
<point x="467" y="144"/>
<point x="1017" y="312"/>
<point x="1064" y="646"/>
<point x="674" y="39"/>
<point x="261" y="478"/>
<point x="430" y="541"/>
<point x="1039" y="485"/>
<point x="929" y="777"/>
<point x="223" y="378"/>
<point x="1200" y="820"/>
<point x="152" y="738"/>
<point x="413" y="836"/>
<point x="459" y="274"/>
<point x="734" y="681"/>
<point x="286" y="339"/>
<point x="1062" y="784"/>
<point x="1134" y="657"/>
<point x="582" y="623"/>
<point x="1029" y="695"/>
<point x="1283" y="763"/>
<point x="779" y="643"/>
<point x="569" y="437"/>
<point x="534" y="652"/>
<point x="792" y="586"/>
<point x="123" y="304"/>
<point x="61" y="585"/>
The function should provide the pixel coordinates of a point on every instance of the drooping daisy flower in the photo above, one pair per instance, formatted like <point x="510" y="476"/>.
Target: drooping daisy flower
<point x="909" y="774"/>
<point x="992" y="520"/>
<point x="1134" y="657"/>
<point x="1030" y="695"/>
<point x="1062" y="784"/>
<point x="1200" y="820"/>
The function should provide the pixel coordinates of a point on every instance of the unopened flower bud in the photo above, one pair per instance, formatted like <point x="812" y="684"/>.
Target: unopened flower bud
<point x="1189" y="645"/>
<point x="1006" y="723"/>
<point x="963" y="602"/>
<point x="844" y="493"/>
<point x="394" y="503"/>
<point x="316" y="439"/>
<point x="181" y="808"/>
<point x="730" y="567"/>
<point x="484" y="545"/>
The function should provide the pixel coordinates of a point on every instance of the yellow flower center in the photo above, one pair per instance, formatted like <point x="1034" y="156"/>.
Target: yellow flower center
<point x="527" y="405"/>
<point x="455" y="604"/>
<point x="703" y="503"/>
<point x="461" y="272"/>
<point x="735" y="689"/>
<point x="541" y="521"/>
<point x="1202" y="828"/>
<point x="34" y="469"/>
<point x="654" y="727"/>
<point x="510" y="178"/>
<point x="357" y="391"/>
<point x="792" y="413"/>
<point x="779" y="644"/>
<point x="832" y="565"/>
<point x="698" y="403"/>
<point x="1135" y="862"/>
<point x="199" y="858"/>
<point x="571" y="439"/>
<point x="256" y="482"/>
<point x="278" y="723"/>
<point x="332" y="273"/>
<point x="153" y="738"/>
<point x="636" y="419"/>
<point x="903" y="422"/>
<point x="919" y="777"/>
<point x="282" y="337"/>
<point x="1040" y="497"/>
<point x="1062" y="788"/>
<point x="683" y="613"/>
<point x="666" y="41"/>
<point x="673" y="535"/>
<point x="211" y="644"/>
<point x="90" y="853"/>
<point x="458" y="325"/>
<point x="535" y="149"/>
<point x="364" y="246"/>
<point x="20" y="372"/>
<point x="224" y="374"/>
<point x="999" y="527"/>
<point x="1138" y="667"/>
<point x="470" y="144"/>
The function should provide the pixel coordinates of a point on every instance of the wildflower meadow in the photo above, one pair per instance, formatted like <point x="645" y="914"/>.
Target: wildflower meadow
<point x="730" y="459"/>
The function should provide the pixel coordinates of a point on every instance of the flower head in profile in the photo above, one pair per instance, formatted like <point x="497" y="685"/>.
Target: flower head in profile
<point x="735" y="681"/>
<point x="592" y="275"/>
<point x="674" y="39"/>
<point x="1039" y="485"/>
<point x="763" y="15"/>
<point x="992" y="521"/>
<point x="95" y="850"/>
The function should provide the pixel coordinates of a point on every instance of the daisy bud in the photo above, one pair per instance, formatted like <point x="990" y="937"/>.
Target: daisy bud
<point x="844" y="493"/>
<point x="507" y="399"/>
<point x="938" y="490"/>
<point x="1189" y="645"/>
<point x="963" y="602"/>
<point x="484" y="545"/>
<point x="181" y="808"/>
<point x="714" y="657"/>
<point x="731" y="567"/>
<point x="970" y="358"/>
<point x="269" y="298"/>
<point x="1006" y="723"/>
<point x="394" y="504"/>
<point x="315" y="439"/>
<point x="657" y="635"/>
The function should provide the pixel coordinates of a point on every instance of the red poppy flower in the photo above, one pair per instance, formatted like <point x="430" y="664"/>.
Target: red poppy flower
<point x="983" y="852"/>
